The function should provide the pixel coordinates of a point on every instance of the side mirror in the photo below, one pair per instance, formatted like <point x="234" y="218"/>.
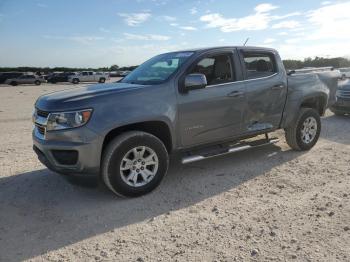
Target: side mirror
<point x="195" y="81"/>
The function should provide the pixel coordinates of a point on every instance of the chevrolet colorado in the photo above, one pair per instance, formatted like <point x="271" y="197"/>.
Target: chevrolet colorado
<point x="202" y="103"/>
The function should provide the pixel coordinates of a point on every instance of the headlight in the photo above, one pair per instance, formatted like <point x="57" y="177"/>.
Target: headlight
<point x="65" y="120"/>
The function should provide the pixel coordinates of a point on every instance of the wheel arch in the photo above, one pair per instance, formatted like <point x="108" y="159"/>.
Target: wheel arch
<point x="319" y="103"/>
<point x="159" y="129"/>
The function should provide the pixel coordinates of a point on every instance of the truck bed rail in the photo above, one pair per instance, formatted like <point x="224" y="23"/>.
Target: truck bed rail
<point x="309" y="70"/>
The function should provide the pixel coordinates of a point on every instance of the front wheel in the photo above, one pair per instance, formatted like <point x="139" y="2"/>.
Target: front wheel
<point x="134" y="164"/>
<point x="102" y="80"/>
<point x="37" y="82"/>
<point x="305" y="131"/>
<point x="75" y="81"/>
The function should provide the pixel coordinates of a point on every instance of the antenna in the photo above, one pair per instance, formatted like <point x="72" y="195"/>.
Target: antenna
<point x="246" y="41"/>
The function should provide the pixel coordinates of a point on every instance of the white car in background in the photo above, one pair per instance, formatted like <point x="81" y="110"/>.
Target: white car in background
<point x="345" y="72"/>
<point x="124" y="73"/>
<point x="88" y="76"/>
<point x="25" y="79"/>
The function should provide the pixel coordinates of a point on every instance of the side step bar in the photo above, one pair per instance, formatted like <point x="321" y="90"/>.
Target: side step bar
<point x="228" y="150"/>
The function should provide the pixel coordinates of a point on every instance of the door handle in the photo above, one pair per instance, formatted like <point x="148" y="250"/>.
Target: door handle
<point x="277" y="87"/>
<point x="235" y="94"/>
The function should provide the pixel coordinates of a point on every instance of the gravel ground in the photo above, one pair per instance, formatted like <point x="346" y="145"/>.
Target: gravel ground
<point x="267" y="204"/>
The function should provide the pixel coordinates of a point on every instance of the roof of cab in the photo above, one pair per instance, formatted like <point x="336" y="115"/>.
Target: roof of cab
<point x="205" y="49"/>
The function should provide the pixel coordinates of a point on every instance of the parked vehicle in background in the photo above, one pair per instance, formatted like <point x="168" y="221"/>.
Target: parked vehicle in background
<point x="119" y="73"/>
<point x="114" y="73"/>
<point x="25" y="79"/>
<point x="124" y="73"/>
<point x="342" y="104"/>
<point x="201" y="103"/>
<point x="345" y="72"/>
<point x="88" y="76"/>
<point x="60" y="77"/>
<point x="8" y="75"/>
<point x="42" y="75"/>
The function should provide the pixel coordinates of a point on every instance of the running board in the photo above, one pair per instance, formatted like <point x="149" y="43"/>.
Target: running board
<point x="228" y="150"/>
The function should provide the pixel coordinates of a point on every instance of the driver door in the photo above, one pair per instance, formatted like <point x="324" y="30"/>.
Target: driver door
<point x="90" y="77"/>
<point x="215" y="112"/>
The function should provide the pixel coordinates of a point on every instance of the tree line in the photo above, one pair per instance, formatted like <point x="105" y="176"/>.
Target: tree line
<point x="65" y="69"/>
<point x="336" y="62"/>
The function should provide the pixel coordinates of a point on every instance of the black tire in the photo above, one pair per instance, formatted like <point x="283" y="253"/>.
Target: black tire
<point x="294" y="133"/>
<point x="118" y="148"/>
<point x="75" y="81"/>
<point x="37" y="82"/>
<point x="102" y="80"/>
<point x="13" y="83"/>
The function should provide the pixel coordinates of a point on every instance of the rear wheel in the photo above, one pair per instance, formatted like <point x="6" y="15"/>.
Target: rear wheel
<point x="134" y="164"/>
<point x="75" y="81"/>
<point x="102" y="80"/>
<point x="305" y="131"/>
<point x="13" y="83"/>
<point x="37" y="82"/>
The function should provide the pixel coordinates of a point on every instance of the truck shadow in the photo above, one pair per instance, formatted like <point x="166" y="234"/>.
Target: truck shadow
<point x="41" y="212"/>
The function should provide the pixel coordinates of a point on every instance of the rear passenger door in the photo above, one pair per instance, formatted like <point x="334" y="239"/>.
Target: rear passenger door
<point x="91" y="77"/>
<point x="215" y="112"/>
<point x="22" y="79"/>
<point x="84" y="77"/>
<point x="27" y="79"/>
<point x="266" y="90"/>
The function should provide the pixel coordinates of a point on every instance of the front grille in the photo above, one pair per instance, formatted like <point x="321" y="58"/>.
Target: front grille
<point x="42" y="113"/>
<point x="41" y="129"/>
<point x="344" y="93"/>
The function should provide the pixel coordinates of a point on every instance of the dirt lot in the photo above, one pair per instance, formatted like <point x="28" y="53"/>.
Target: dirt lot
<point x="265" y="204"/>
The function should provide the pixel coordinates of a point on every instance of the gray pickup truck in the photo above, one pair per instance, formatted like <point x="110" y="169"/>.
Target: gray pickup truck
<point x="201" y="103"/>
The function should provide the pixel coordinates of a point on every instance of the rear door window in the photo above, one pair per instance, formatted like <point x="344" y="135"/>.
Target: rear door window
<point x="259" y="65"/>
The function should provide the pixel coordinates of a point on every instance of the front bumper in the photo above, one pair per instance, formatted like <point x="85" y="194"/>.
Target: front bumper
<point x="342" y="105"/>
<point x="87" y="155"/>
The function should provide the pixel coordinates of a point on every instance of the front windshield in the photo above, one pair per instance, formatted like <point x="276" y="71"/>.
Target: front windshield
<point x="158" y="69"/>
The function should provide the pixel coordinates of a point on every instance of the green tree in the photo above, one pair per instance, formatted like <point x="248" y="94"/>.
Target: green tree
<point x="114" y="68"/>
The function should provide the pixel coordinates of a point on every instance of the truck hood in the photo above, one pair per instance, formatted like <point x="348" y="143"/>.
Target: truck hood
<point x="81" y="97"/>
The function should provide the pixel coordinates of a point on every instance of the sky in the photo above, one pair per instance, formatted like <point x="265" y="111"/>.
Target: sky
<point x="99" y="33"/>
